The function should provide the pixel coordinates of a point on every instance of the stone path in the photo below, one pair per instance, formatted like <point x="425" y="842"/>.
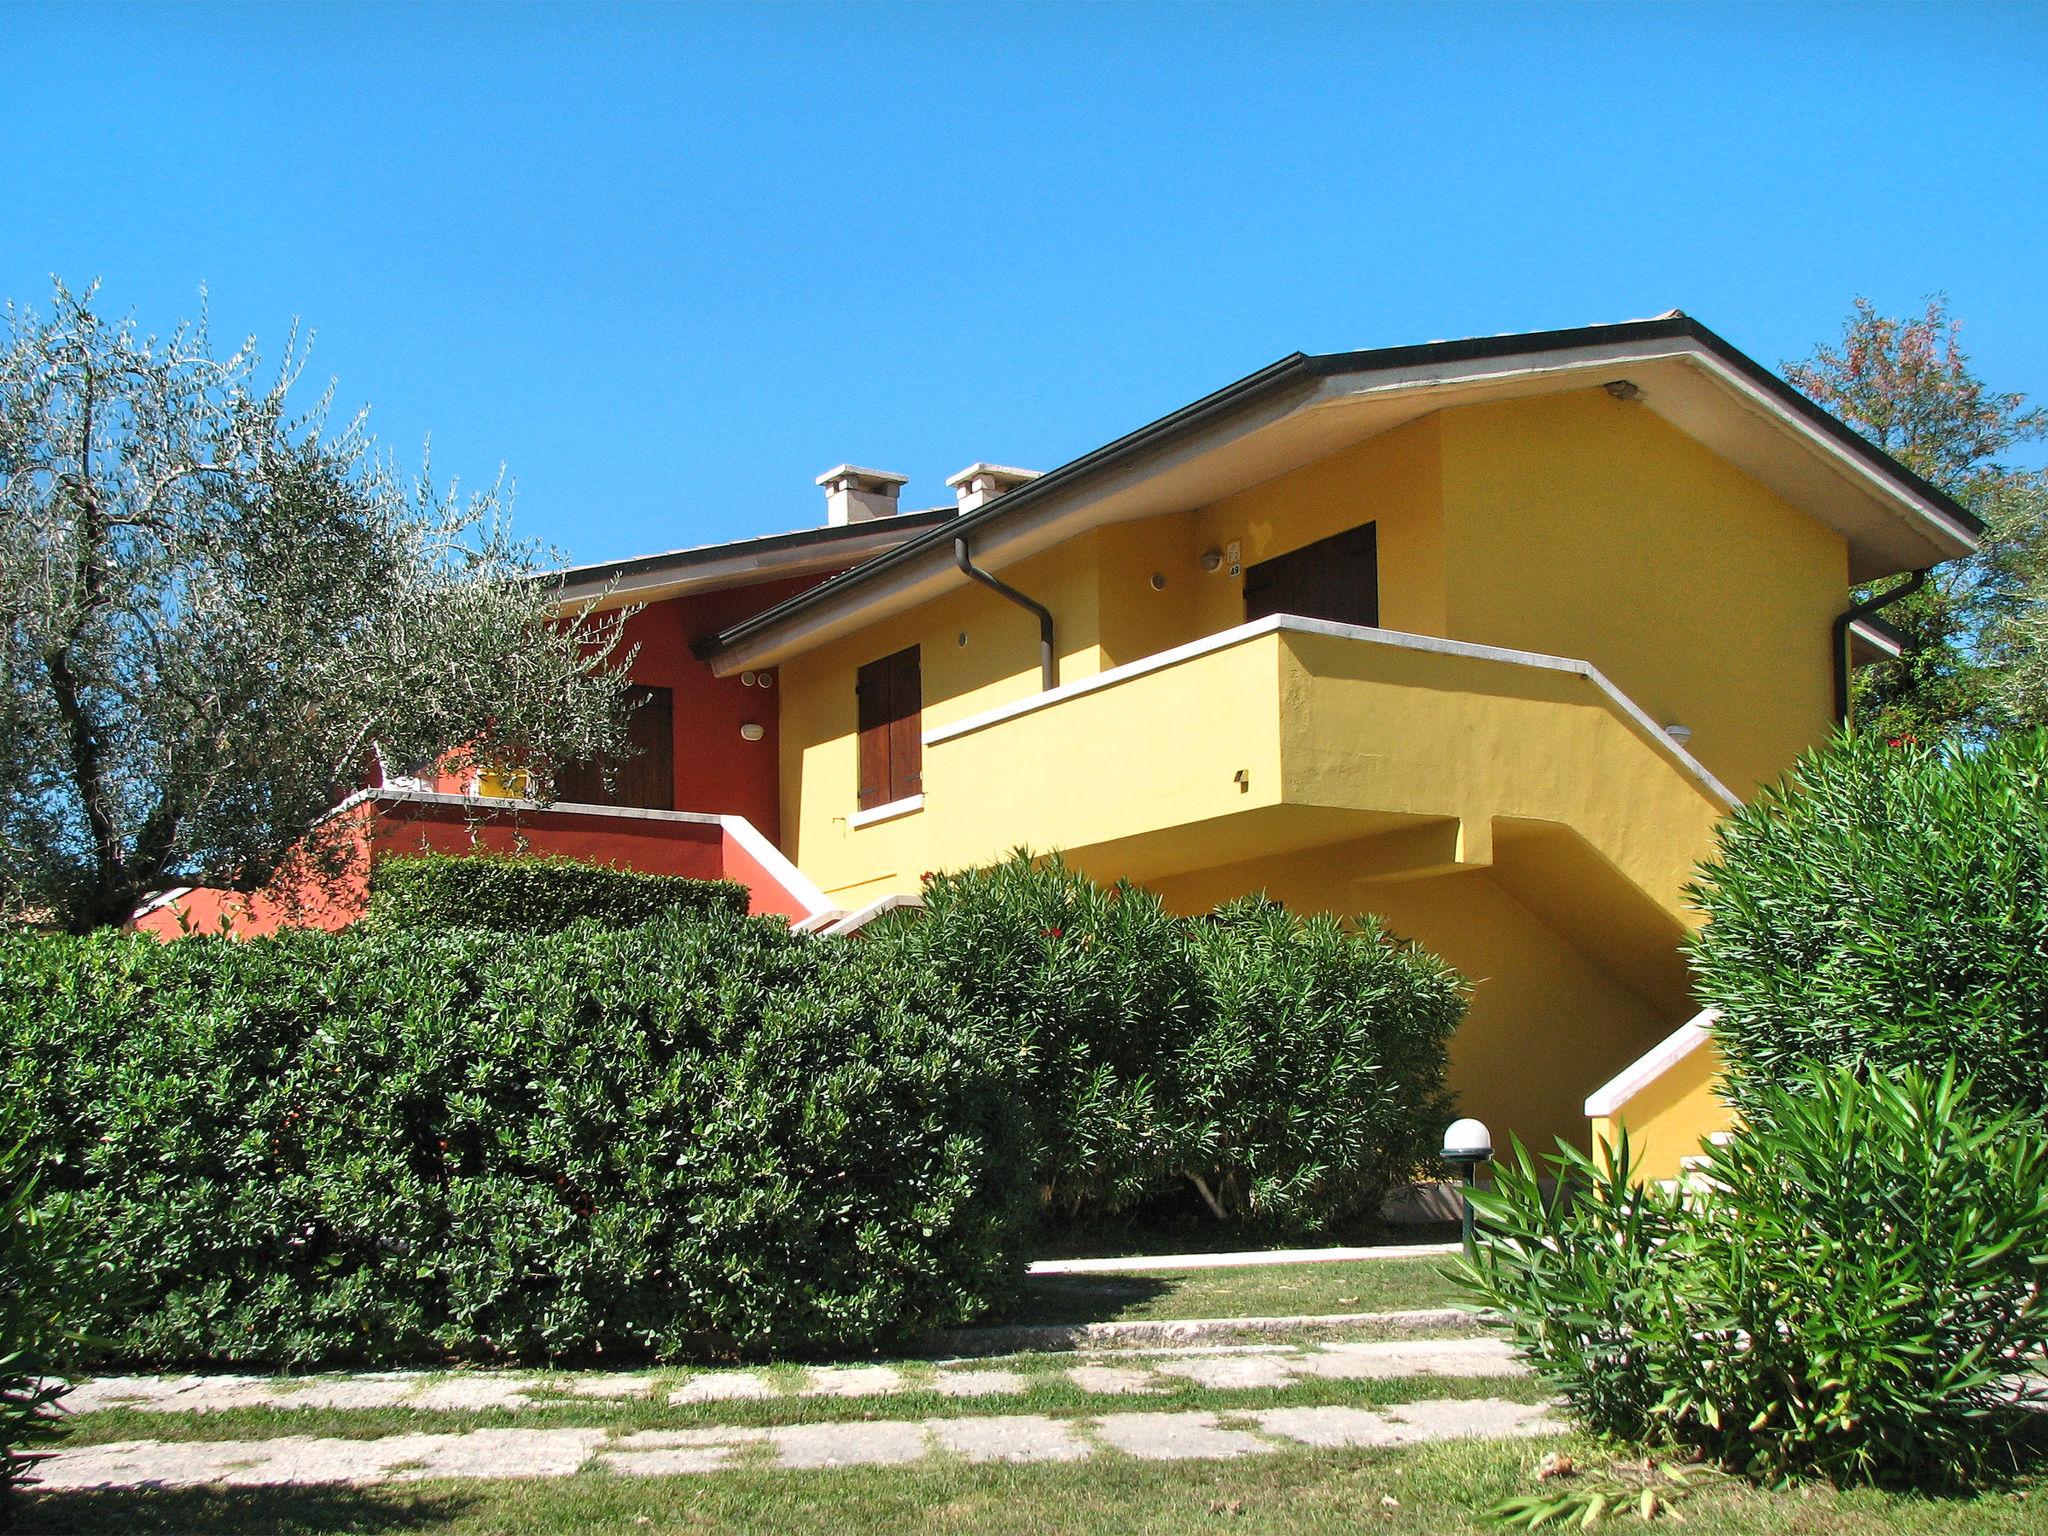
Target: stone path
<point x="543" y="1453"/>
<point x="1161" y="1263"/>
<point x="1216" y="1367"/>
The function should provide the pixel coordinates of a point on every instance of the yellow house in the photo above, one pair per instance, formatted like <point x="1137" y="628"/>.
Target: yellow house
<point x="1482" y="636"/>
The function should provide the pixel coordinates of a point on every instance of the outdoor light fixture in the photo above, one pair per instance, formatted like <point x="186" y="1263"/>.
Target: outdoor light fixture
<point x="1212" y="560"/>
<point x="751" y="732"/>
<point x="1623" y="389"/>
<point x="1679" y="733"/>
<point x="1468" y="1143"/>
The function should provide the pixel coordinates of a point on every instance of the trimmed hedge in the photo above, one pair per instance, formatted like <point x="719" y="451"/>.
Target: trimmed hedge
<point x="36" y="1274"/>
<point x="1290" y="1069"/>
<point x="528" y="893"/>
<point x="701" y="1135"/>
<point x="1885" y="907"/>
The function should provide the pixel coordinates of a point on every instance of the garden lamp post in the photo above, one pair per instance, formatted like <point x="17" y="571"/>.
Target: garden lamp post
<point x="1468" y="1143"/>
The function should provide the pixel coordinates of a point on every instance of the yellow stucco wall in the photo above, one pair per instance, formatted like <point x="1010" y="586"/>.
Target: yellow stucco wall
<point x="1670" y="1118"/>
<point x="1580" y="525"/>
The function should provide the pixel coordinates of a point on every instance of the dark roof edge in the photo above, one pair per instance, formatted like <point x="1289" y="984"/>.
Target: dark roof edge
<point x="1290" y="371"/>
<point x="765" y="544"/>
<point x="1299" y="367"/>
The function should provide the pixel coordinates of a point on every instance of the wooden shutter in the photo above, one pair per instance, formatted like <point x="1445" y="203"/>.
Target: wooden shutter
<point x="647" y="779"/>
<point x="891" y="699"/>
<point x="1337" y="578"/>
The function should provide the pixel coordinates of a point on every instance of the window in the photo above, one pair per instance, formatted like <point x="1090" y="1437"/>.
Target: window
<point x="891" y="694"/>
<point x="1337" y="578"/>
<point x="647" y="779"/>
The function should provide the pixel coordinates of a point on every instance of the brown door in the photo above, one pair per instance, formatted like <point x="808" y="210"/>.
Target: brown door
<point x="647" y="779"/>
<point x="1337" y="578"/>
<point x="891" y="699"/>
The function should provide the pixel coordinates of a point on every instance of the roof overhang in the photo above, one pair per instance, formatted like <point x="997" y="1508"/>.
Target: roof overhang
<point x="744" y="562"/>
<point x="1304" y="408"/>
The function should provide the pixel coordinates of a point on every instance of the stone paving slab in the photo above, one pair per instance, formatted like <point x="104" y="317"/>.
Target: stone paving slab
<point x="536" y="1453"/>
<point x="723" y="1387"/>
<point x="979" y="1383"/>
<point x="1177" y="1437"/>
<point x="1017" y="1437"/>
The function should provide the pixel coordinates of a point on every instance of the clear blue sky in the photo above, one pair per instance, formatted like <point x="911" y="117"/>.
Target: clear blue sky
<point x="669" y="263"/>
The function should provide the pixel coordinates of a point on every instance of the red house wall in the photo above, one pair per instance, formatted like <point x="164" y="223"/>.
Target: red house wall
<point x="717" y="771"/>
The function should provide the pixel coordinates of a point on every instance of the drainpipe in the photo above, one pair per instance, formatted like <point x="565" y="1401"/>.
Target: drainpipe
<point x="1849" y="616"/>
<point x="1048" y="659"/>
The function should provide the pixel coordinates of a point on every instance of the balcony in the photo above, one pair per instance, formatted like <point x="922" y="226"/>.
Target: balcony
<point x="1420" y="757"/>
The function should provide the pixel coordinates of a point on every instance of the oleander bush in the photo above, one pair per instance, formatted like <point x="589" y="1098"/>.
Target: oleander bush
<point x="701" y="1135"/>
<point x="1886" y="906"/>
<point x="1291" y="1070"/>
<point x="1315" y="1083"/>
<point x="1849" y="1288"/>
<point x="532" y="893"/>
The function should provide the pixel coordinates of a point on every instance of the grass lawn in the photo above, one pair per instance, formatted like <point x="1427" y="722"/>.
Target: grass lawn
<point x="1255" y="1290"/>
<point x="1439" y="1490"/>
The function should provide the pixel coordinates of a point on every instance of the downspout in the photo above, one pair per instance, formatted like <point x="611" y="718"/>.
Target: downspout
<point x="1048" y="658"/>
<point x="1849" y="616"/>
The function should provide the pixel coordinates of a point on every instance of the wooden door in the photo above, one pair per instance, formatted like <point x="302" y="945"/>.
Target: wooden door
<point x="1337" y="578"/>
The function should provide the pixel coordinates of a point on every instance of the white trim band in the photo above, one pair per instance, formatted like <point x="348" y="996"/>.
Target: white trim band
<point x="889" y="812"/>
<point x="1609" y="1097"/>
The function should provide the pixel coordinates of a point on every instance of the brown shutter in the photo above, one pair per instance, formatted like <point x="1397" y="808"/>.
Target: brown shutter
<point x="647" y="779"/>
<point x="890" y="695"/>
<point x="871" y="688"/>
<point x="1337" y="578"/>
<point x="906" y="730"/>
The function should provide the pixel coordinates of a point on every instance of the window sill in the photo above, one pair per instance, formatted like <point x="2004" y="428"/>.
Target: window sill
<point x="889" y="812"/>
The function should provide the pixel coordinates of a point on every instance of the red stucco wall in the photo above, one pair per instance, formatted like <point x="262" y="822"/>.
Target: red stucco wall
<point x="716" y="770"/>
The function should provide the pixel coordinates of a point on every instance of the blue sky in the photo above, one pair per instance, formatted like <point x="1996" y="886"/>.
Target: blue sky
<point x="669" y="263"/>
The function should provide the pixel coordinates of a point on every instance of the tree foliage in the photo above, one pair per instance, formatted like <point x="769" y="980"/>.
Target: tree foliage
<point x="218" y="610"/>
<point x="1977" y="634"/>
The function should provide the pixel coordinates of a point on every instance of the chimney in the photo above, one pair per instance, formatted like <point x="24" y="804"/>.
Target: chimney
<point x="855" y="495"/>
<point x="979" y="483"/>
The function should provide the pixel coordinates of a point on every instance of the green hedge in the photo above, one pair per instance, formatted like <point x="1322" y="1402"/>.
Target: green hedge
<point x="705" y="1134"/>
<point x="1886" y="907"/>
<point x="37" y="1272"/>
<point x="1290" y="1069"/>
<point x="518" y="893"/>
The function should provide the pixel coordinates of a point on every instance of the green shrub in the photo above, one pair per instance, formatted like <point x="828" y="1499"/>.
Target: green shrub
<point x="1848" y="1289"/>
<point x="520" y="893"/>
<point x="703" y="1135"/>
<point x="1887" y="906"/>
<point x="1089" y="990"/>
<point x="36" y="1278"/>
<point x="1292" y="1070"/>
<point x="1316" y="1082"/>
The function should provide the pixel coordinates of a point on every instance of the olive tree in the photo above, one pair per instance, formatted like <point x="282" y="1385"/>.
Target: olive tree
<point x="220" y="611"/>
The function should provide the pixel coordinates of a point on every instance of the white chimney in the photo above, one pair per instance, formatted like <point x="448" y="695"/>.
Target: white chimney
<point x="855" y="495"/>
<point x="978" y="483"/>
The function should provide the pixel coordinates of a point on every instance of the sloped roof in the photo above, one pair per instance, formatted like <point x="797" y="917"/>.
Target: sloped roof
<point x="1304" y="407"/>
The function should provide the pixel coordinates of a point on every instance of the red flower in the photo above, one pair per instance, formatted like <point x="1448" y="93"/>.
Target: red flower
<point x="1052" y="933"/>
